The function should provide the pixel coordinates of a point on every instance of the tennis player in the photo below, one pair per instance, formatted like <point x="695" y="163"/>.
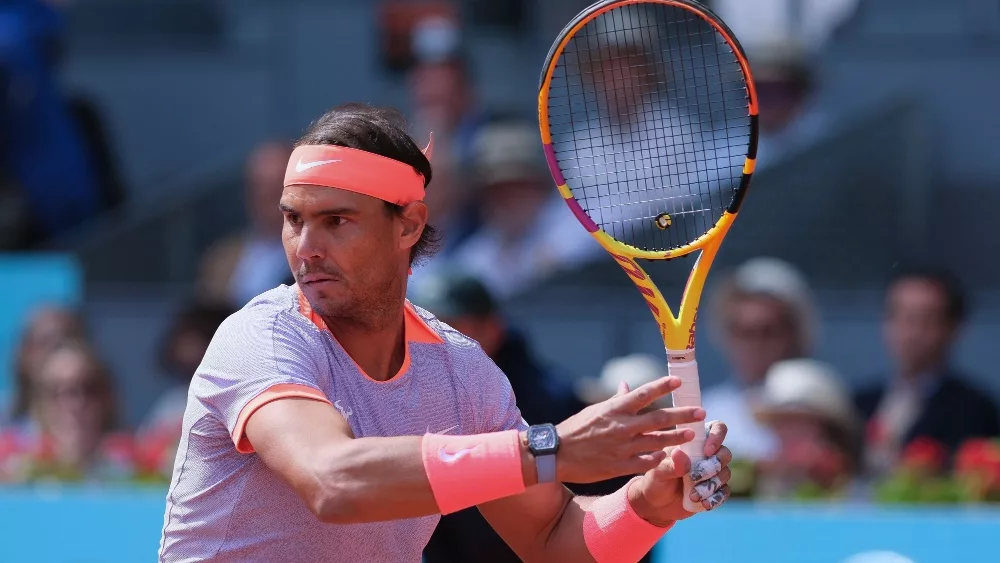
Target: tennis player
<point x="334" y="421"/>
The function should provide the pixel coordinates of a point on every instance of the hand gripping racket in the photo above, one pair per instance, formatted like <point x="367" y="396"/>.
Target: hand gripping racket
<point x="648" y="119"/>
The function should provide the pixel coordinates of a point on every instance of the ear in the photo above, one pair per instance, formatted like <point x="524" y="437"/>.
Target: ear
<point x="413" y="219"/>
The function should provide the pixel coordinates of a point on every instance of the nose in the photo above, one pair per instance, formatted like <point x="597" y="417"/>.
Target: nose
<point x="308" y="246"/>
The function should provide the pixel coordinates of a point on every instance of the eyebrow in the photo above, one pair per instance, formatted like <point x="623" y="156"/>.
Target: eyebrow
<point x="325" y="212"/>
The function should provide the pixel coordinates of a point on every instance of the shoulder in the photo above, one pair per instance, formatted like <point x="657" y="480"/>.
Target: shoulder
<point x="450" y="340"/>
<point x="461" y="354"/>
<point x="278" y="304"/>
<point x="960" y="387"/>
<point x="269" y="323"/>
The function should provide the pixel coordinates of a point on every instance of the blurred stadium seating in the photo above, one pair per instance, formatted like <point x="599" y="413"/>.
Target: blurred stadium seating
<point x="907" y="169"/>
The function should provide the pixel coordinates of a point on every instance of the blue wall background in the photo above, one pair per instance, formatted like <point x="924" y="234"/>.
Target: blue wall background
<point x="123" y="526"/>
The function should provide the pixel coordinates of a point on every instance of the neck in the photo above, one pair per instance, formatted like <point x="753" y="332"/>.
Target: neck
<point x="378" y="346"/>
<point x="917" y="373"/>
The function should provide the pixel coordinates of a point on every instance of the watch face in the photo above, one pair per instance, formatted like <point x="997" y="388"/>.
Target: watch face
<point x="543" y="438"/>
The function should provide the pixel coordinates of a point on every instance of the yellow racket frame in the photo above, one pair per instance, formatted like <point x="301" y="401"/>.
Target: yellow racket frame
<point x="677" y="331"/>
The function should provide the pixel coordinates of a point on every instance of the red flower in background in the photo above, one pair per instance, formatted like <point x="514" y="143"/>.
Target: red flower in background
<point x="980" y="458"/>
<point x="155" y="453"/>
<point x="924" y="455"/>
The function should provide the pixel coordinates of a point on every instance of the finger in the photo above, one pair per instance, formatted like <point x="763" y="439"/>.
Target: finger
<point x="622" y="389"/>
<point x="644" y="462"/>
<point x="725" y="456"/>
<point x="706" y="469"/>
<point x="676" y="464"/>
<point x="644" y="395"/>
<point x="716" y="499"/>
<point x="660" y="419"/>
<point x="706" y="489"/>
<point x="716" y="431"/>
<point x="660" y="440"/>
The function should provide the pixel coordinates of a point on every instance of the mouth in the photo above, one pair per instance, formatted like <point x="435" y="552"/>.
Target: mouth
<point x="316" y="279"/>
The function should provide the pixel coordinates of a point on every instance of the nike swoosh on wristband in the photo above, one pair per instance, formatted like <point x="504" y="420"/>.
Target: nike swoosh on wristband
<point x="452" y="458"/>
<point x="303" y="166"/>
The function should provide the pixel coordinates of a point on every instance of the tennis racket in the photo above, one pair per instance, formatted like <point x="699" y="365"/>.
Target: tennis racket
<point x="648" y="120"/>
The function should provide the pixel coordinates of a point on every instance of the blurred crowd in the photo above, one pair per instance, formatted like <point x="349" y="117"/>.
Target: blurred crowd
<point x="796" y="429"/>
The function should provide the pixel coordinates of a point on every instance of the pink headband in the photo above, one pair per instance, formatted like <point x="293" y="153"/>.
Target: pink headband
<point x="356" y="171"/>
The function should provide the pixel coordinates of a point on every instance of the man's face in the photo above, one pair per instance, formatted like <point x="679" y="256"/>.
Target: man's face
<point x="917" y="328"/>
<point x="513" y="207"/>
<point x="440" y="90"/>
<point x="622" y="82"/>
<point x="760" y="333"/>
<point x="71" y="401"/>
<point x="347" y="252"/>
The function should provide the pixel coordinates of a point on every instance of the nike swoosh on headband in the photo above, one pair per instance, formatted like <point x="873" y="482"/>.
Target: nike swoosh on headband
<point x="301" y="167"/>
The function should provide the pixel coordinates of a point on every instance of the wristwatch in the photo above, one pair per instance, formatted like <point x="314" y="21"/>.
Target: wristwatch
<point x="543" y="442"/>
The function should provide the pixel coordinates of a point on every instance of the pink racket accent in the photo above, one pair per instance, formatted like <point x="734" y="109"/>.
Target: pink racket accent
<point x="614" y="533"/>
<point x="581" y="216"/>
<point x="550" y="157"/>
<point x="465" y="471"/>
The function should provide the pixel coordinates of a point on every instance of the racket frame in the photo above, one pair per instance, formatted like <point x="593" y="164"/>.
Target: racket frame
<point x="677" y="331"/>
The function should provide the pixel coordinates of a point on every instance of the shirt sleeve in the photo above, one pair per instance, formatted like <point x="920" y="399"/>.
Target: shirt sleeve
<point x="254" y="359"/>
<point x="498" y="405"/>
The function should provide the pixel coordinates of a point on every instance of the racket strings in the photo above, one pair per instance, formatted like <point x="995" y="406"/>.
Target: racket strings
<point x="648" y="115"/>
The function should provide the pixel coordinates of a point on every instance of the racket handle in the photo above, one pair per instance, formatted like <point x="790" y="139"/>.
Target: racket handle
<point x="682" y="364"/>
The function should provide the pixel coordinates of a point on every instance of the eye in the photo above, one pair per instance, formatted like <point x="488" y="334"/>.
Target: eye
<point x="293" y="219"/>
<point x="337" y="221"/>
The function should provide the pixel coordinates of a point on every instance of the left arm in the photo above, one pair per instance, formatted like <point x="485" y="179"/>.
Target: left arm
<point x="547" y="522"/>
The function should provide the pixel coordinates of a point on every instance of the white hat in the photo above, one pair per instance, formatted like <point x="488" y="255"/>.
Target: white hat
<point x="635" y="370"/>
<point x="805" y="386"/>
<point x="507" y="151"/>
<point x="780" y="280"/>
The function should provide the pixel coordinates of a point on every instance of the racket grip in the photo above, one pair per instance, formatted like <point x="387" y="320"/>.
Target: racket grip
<point x="682" y="364"/>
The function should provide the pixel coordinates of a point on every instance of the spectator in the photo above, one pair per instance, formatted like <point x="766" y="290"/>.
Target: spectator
<point x="41" y="147"/>
<point x="527" y="232"/>
<point x="464" y="303"/>
<point x="74" y="406"/>
<point x="46" y="329"/>
<point x="764" y="314"/>
<point x="246" y="264"/>
<point x="923" y="395"/>
<point x="444" y="103"/>
<point x="806" y="405"/>
<point x="790" y="119"/>
<point x="181" y="354"/>
<point x="442" y="90"/>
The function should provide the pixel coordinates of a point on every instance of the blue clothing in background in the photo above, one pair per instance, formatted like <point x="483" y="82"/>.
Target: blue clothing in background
<point x="40" y="146"/>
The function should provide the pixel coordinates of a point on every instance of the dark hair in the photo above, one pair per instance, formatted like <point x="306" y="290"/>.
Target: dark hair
<point x="381" y="131"/>
<point x="944" y="279"/>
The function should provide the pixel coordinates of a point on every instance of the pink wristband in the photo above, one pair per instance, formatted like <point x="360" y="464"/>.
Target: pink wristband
<point x="465" y="471"/>
<point x="614" y="533"/>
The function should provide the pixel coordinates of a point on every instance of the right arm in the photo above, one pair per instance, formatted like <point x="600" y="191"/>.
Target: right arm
<point x="343" y="479"/>
<point x="340" y="478"/>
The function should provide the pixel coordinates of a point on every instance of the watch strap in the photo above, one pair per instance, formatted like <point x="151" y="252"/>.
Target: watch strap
<point x="546" y="467"/>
